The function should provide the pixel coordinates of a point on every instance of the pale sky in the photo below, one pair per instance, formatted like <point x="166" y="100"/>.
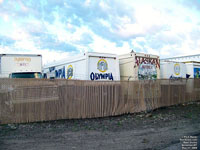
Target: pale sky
<point x="59" y="29"/>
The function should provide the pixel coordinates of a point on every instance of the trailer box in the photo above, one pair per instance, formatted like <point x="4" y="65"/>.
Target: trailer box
<point x="20" y="66"/>
<point x="139" y="66"/>
<point x="193" y="69"/>
<point x="172" y="70"/>
<point x="89" y="66"/>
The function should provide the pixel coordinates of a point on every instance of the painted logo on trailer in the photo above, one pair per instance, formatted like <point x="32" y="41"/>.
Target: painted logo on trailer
<point x="196" y="72"/>
<point x="22" y="59"/>
<point x="102" y="65"/>
<point x="60" y="73"/>
<point x="69" y="72"/>
<point x="177" y="69"/>
<point x="147" y="71"/>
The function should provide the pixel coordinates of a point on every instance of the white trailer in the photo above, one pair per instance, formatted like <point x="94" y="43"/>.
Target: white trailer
<point x="193" y="69"/>
<point x="89" y="66"/>
<point x="172" y="70"/>
<point x="20" y="66"/>
<point x="139" y="66"/>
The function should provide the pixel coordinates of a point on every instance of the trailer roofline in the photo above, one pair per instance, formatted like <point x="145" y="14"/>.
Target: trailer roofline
<point x="21" y="55"/>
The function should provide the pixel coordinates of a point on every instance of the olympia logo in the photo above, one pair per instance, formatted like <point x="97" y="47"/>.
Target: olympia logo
<point x="102" y="66"/>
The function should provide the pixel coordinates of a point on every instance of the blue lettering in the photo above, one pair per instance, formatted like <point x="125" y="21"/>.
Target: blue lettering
<point x="98" y="76"/>
<point x="60" y="73"/>
<point x="63" y="73"/>
<point x="106" y="76"/>
<point x="51" y="69"/>
<point x="56" y="74"/>
<point x="111" y="77"/>
<point x="92" y="76"/>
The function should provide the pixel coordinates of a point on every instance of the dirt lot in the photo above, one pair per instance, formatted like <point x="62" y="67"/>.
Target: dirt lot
<point x="159" y="129"/>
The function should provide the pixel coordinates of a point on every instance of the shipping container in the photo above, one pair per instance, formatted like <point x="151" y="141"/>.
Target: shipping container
<point x="139" y="66"/>
<point x="89" y="66"/>
<point x="20" y="66"/>
<point x="172" y="70"/>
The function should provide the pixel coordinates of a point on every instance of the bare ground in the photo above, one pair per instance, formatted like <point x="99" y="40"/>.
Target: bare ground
<point x="159" y="129"/>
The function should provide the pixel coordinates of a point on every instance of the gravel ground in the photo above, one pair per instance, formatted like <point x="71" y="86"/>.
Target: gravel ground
<point x="159" y="129"/>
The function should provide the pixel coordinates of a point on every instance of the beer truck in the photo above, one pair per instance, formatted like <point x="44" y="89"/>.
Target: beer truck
<point x="20" y="66"/>
<point x="87" y="66"/>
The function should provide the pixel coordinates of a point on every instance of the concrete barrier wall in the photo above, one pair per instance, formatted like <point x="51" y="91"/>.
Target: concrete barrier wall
<point x="31" y="100"/>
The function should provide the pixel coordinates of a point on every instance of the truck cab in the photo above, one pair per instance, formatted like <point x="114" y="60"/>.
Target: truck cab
<point x="36" y="75"/>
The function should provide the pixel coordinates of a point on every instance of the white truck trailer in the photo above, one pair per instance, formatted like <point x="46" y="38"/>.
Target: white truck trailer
<point x="193" y="69"/>
<point x="139" y="66"/>
<point x="172" y="70"/>
<point x="89" y="66"/>
<point x="20" y="66"/>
